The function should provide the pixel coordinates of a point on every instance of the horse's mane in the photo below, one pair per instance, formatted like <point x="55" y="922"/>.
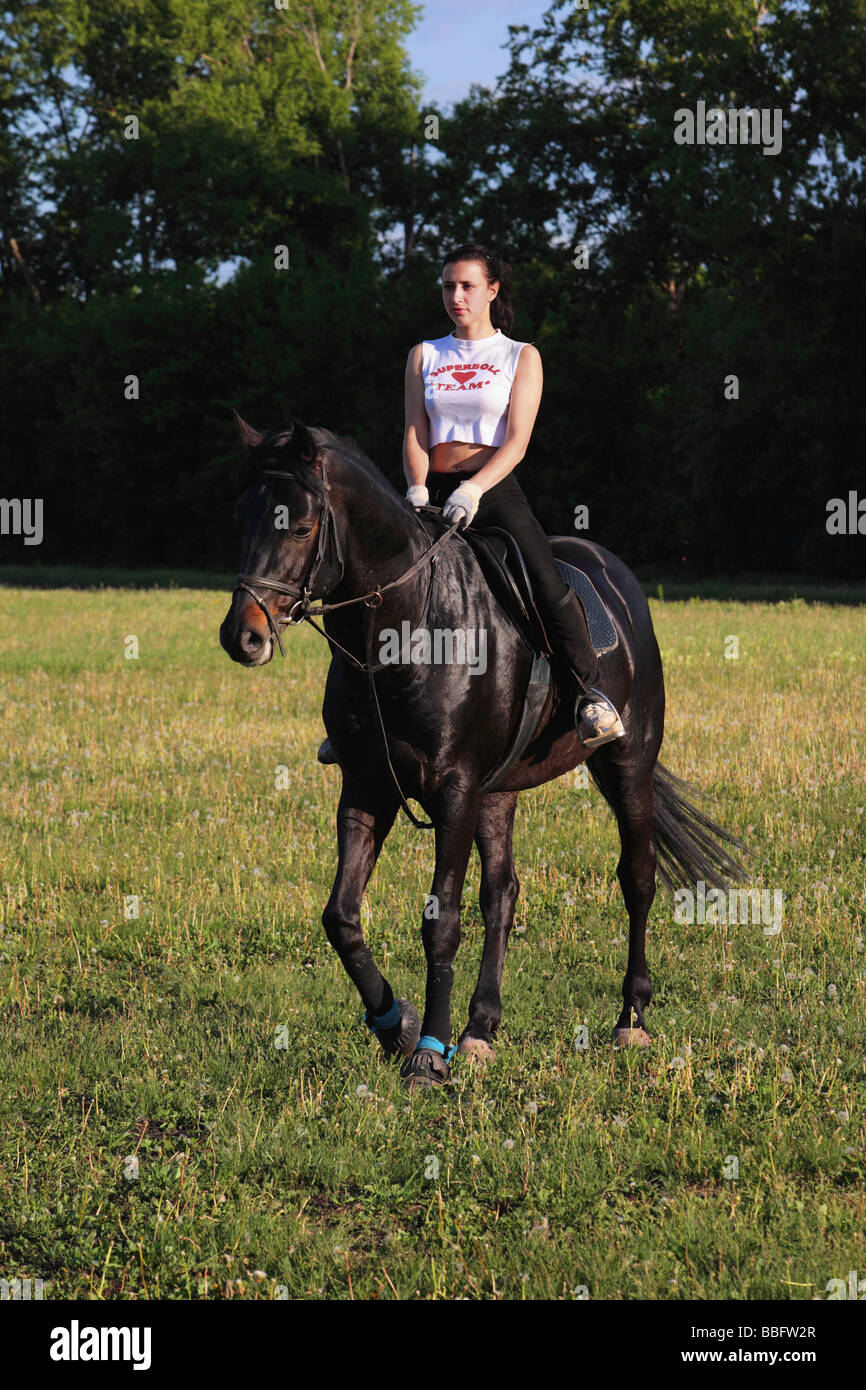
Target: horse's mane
<point x="349" y="448"/>
<point x="266" y="454"/>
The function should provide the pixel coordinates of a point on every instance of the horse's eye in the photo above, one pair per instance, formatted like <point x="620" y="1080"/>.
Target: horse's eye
<point x="302" y="531"/>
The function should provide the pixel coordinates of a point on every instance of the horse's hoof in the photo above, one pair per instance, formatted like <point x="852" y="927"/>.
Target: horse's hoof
<point x="402" y="1039"/>
<point x="425" y="1068"/>
<point x="476" y="1049"/>
<point x="631" y="1037"/>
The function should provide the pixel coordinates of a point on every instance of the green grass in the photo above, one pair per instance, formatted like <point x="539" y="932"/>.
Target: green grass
<point x="744" y="587"/>
<point x="305" y="1168"/>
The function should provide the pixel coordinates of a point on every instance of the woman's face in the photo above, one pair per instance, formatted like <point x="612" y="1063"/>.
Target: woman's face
<point x="466" y="293"/>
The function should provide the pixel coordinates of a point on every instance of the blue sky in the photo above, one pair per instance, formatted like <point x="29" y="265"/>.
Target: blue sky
<point x="457" y="43"/>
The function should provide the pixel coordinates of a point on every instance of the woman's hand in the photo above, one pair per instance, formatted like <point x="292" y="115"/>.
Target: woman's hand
<point x="418" y="495"/>
<point x="465" y="500"/>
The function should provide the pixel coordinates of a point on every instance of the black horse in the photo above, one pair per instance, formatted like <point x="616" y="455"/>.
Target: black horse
<point x="433" y="732"/>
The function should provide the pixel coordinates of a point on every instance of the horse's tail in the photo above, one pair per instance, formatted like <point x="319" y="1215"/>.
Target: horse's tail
<point x="688" y="844"/>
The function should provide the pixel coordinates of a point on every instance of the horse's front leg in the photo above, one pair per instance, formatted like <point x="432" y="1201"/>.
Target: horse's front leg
<point x="454" y="816"/>
<point x="362" y="827"/>
<point x="499" y="889"/>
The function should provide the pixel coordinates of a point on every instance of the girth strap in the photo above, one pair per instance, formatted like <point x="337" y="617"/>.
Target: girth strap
<point x="536" y="695"/>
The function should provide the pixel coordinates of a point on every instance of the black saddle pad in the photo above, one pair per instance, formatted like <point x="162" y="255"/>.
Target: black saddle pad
<point x="602" y="633"/>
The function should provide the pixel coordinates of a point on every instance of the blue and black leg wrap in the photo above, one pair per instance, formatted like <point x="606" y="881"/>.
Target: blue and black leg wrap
<point x="429" y="1064"/>
<point x="397" y="1029"/>
<point x="386" y="1020"/>
<point x="434" y="1045"/>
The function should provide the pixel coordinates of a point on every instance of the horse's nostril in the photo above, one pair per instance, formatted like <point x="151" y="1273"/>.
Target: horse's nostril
<point x="251" y="641"/>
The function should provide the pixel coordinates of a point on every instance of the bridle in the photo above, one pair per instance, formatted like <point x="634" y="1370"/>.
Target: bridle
<point x="329" y="546"/>
<point x="328" y="536"/>
<point x="328" y="539"/>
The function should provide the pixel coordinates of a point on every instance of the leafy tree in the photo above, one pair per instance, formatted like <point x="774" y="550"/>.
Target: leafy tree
<point x="301" y="125"/>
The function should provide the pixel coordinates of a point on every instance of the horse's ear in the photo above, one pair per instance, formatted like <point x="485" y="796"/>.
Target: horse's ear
<point x="249" y="437"/>
<point x="303" y="443"/>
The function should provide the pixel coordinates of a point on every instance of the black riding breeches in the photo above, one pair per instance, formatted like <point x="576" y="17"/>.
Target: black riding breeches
<point x="561" y="612"/>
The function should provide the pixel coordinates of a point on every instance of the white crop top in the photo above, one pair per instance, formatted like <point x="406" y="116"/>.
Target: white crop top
<point x="467" y="387"/>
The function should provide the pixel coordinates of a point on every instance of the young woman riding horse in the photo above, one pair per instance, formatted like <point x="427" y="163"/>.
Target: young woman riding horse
<point x="325" y="534"/>
<point x="471" y="402"/>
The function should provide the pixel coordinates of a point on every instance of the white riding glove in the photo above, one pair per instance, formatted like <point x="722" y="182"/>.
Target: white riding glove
<point x="418" y="495"/>
<point x="465" y="500"/>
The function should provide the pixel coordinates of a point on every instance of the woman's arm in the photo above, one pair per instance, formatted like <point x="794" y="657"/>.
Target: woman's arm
<point x="416" y="436"/>
<point x="525" y="399"/>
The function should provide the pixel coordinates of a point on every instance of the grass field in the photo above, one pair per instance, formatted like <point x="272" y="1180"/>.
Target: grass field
<point x="190" y="1105"/>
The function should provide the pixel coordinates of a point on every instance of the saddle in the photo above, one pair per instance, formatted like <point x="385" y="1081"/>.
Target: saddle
<point x="502" y="564"/>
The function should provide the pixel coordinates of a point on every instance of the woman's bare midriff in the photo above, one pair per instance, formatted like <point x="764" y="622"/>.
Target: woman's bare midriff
<point x="458" y="456"/>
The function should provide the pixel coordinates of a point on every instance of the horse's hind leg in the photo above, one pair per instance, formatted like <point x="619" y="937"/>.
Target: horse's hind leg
<point x="499" y="890"/>
<point x="362" y="826"/>
<point x="629" y="791"/>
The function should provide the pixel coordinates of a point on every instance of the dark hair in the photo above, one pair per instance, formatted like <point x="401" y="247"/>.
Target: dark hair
<point x="502" y="307"/>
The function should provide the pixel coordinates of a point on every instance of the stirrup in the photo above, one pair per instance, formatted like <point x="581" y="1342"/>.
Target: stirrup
<point x="611" y="727"/>
<point x="326" y="753"/>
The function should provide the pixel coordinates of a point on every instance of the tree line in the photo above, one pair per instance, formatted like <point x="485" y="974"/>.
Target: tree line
<point x="247" y="204"/>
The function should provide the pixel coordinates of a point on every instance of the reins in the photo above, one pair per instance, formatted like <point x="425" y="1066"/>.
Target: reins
<point x="304" y="601"/>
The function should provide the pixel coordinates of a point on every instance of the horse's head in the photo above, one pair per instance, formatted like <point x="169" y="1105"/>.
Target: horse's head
<point x="290" y="545"/>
